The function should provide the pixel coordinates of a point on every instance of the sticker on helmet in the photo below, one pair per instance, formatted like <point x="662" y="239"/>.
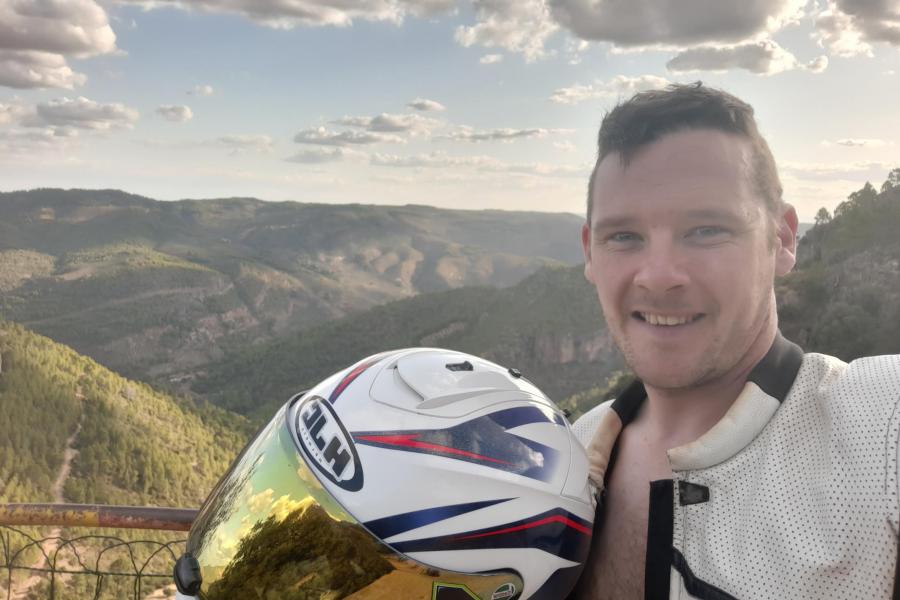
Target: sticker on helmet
<point x="507" y="590"/>
<point x="327" y="444"/>
<point x="451" y="591"/>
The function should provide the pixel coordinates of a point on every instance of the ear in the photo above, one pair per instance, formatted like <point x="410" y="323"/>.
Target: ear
<point x="786" y="243"/>
<point x="586" y="248"/>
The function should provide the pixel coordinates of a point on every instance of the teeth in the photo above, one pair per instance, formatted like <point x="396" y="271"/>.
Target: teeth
<point x="665" y="320"/>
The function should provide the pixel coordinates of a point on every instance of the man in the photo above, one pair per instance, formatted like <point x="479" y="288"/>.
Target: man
<point x="736" y="466"/>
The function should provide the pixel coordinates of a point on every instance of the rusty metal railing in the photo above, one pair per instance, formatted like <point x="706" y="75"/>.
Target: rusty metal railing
<point x="87" y="566"/>
<point x="98" y="515"/>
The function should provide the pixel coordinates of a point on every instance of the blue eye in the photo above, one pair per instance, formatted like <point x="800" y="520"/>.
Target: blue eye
<point x="707" y="232"/>
<point x="623" y="236"/>
<point x="622" y="240"/>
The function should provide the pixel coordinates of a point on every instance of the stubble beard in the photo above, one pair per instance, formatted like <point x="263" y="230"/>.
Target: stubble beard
<point x="715" y="362"/>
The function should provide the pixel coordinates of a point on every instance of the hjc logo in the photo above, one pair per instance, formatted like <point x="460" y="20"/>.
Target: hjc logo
<point x="334" y="453"/>
<point x="325" y="440"/>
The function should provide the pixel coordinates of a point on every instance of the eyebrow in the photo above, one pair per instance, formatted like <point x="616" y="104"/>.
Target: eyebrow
<point x="613" y="223"/>
<point x="712" y="213"/>
<point x="700" y="214"/>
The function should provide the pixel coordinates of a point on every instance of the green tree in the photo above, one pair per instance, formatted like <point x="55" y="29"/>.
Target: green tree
<point x="892" y="181"/>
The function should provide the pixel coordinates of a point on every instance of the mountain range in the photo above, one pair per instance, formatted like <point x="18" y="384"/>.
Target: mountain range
<point x="128" y="440"/>
<point x="843" y="298"/>
<point x="149" y="288"/>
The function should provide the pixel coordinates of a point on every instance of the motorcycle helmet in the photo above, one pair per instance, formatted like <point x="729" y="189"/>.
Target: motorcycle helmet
<point x="417" y="474"/>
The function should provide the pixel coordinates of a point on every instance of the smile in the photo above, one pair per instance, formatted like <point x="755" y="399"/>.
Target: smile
<point x="667" y="320"/>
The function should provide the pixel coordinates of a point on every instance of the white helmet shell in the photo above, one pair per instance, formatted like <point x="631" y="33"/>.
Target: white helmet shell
<point x="455" y="462"/>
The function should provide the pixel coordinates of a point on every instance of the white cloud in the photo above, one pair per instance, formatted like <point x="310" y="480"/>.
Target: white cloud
<point x="236" y="143"/>
<point x="763" y="57"/>
<point x="284" y="14"/>
<point x="323" y="137"/>
<point x="467" y="134"/>
<point x="578" y="93"/>
<point x="361" y="122"/>
<point x="440" y="160"/>
<point x="10" y="113"/>
<point x="429" y="8"/>
<point x="35" y="37"/>
<point x="201" y="90"/>
<point x="246" y="143"/>
<point x="426" y="105"/>
<point x="817" y="65"/>
<point x="401" y="123"/>
<point x="25" y="69"/>
<point x="565" y="146"/>
<point x="827" y="171"/>
<point x="574" y="50"/>
<point x="490" y="59"/>
<point x="837" y="33"/>
<point x="391" y="123"/>
<point x="322" y="155"/>
<point x="516" y="25"/>
<point x="176" y="114"/>
<point x="673" y="23"/>
<point x="548" y="170"/>
<point x="396" y="179"/>
<point x="859" y="143"/>
<point x="850" y="27"/>
<point x="618" y="86"/>
<point x="433" y="160"/>
<point x="65" y="115"/>
<point x="485" y="164"/>
<point x="74" y="27"/>
<point x="26" y="146"/>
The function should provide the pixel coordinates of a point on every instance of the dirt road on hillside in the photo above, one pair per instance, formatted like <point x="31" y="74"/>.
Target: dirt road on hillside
<point x="53" y="541"/>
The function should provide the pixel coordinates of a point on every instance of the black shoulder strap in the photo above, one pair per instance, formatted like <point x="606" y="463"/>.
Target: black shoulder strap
<point x="896" y="595"/>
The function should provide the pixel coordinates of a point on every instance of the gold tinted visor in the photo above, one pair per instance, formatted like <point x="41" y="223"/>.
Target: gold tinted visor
<point x="271" y="531"/>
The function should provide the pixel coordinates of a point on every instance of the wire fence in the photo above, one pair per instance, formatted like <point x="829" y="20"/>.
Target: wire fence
<point x="102" y="566"/>
<point x="67" y="564"/>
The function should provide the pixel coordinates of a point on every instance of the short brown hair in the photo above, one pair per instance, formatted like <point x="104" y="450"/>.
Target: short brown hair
<point x="648" y="116"/>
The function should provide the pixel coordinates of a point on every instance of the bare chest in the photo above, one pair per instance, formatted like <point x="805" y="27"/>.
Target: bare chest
<point x="615" y="567"/>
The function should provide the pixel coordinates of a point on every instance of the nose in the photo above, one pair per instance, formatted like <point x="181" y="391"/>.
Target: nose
<point x="661" y="269"/>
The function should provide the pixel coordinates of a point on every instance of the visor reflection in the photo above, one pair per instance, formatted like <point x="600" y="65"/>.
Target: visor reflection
<point x="271" y="531"/>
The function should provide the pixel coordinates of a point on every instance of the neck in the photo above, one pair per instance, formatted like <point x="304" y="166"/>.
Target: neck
<point x="674" y="417"/>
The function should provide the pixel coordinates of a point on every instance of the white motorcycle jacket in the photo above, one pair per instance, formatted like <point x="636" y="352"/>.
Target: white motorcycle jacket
<point x="793" y="494"/>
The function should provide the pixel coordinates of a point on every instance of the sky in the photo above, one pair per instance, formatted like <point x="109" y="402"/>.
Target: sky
<point x="454" y="103"/>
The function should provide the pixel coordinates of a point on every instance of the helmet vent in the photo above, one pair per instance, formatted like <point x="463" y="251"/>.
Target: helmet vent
<point x="447" y="382"/>
<point x="463" y="366"/>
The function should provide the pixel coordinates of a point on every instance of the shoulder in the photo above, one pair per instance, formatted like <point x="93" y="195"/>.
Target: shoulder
<point x="585" y="426"/>
<point x="876" y="370"/>
<point x="860" y="404"/>
<point x="864" y="381"/>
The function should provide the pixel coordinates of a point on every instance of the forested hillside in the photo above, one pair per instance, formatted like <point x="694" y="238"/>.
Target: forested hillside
<point x="549" y="327"/>
<point x="844" y="296"/>
<point x="150" y="288"/>
<point x="134" y="445"/>
<point x="842" y="299"/>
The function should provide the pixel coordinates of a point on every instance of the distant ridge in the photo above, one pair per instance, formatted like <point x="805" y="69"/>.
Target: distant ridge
<point x="150" y="287"/>
<point x="843" y="298"/>
<point x="549" y="327"/>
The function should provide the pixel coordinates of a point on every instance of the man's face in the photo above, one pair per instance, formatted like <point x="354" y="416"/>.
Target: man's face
<point x="683" y="255"/>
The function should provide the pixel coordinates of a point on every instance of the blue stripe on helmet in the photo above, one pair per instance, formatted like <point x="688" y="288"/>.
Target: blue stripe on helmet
<point x="390" y="526"/>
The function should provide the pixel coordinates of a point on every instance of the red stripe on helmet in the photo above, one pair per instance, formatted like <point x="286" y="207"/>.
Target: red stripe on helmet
<point x="348" y="379"/>
<point x="409" y="441"/>
<point x="555" y="518"/>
